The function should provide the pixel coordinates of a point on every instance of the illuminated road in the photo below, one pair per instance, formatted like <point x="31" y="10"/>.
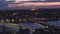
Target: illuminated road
<point x="10" y="26"/>
<point x="15" y="27"/>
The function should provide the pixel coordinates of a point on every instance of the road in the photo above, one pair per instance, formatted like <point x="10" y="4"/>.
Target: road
<point x="10" y="26"/>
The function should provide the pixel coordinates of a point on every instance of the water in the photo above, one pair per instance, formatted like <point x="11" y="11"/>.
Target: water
<point x="55" y="23"/>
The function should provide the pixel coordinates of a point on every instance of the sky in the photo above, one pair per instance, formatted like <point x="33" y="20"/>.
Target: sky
<point x="29" y="0"/>
<point x="5" y="5"/>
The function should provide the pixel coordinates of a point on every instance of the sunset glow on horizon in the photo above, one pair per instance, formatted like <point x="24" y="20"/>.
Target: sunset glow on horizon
<point x="27" y="0"/>
<point x="35" y="4"/>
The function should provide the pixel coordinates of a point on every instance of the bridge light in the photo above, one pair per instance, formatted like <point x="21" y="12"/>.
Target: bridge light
<point x="14" y="13"/>
<point x="19" y="19"/>
<point x="12" y="20"/>
<point x="7" y="20"/>
<point x="2" y="20"/>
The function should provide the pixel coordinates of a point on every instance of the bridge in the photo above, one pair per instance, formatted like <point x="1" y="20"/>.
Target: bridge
<point x="31" y="26"/>
<point x="16" y="27"/>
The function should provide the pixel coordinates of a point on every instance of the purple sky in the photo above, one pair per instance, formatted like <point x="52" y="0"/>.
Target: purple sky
<point x="4" y="6"/>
